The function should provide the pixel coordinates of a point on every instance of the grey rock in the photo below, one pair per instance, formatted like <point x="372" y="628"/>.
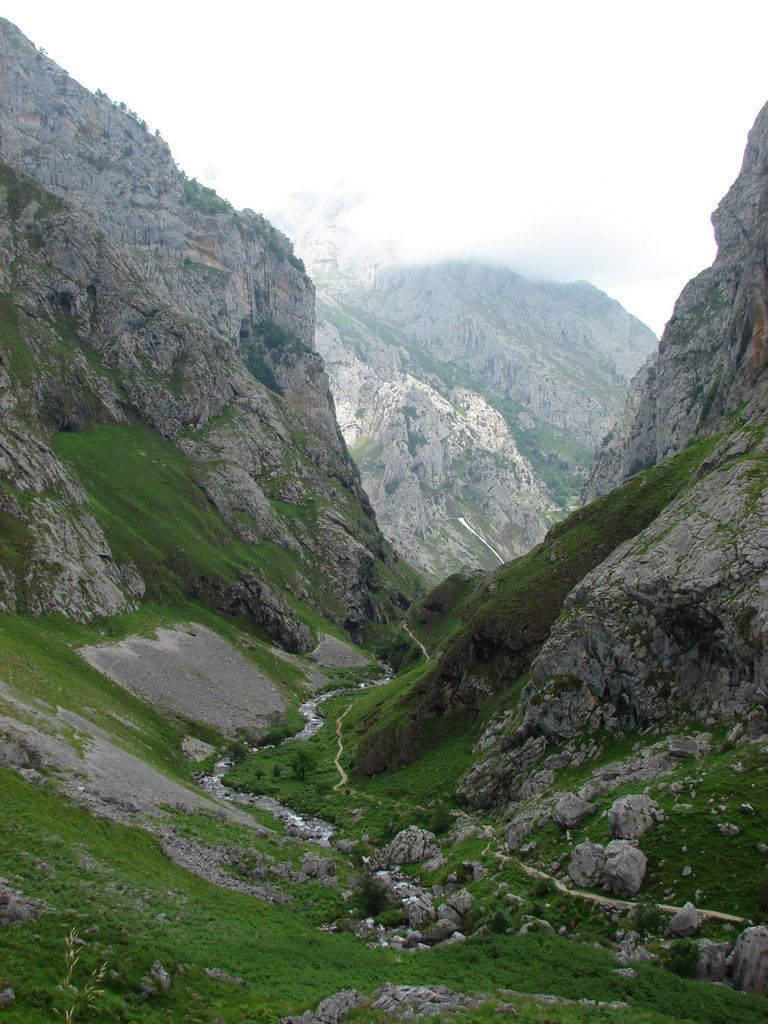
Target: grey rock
<point x="461" y="901"/>
<point x="570" y="811"/>
<point x="7" y="997"/>
<point x="713" y="960"/>
<point x="749" y="964"/>
<point x="587" y="864"/>
<point x="630" y="950"/>
<point x="412" y="1002"/>
<point x="630" y="816"/>
<point x="625" y="867"/>
<point x="421" y="911"/>
<point x="536" y="924"/>
<point x="411" y="846"/>
<point x="441" y="930"/>
<point x="160" y="975"/>
<point x="685" y="922"/>
<point x="727" y="828"/>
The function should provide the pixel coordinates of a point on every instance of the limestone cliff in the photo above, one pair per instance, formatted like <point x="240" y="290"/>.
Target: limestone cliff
<point x="713" y="354"/>
<point x="140" y="449"/>
<point x="465" y="392"/>
<point x="647" y="609"/>
<point x="230" y="268"/>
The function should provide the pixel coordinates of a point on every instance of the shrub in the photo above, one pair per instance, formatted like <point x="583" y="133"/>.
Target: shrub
<point x="648" y="919"/>
<point x="683" y="957"/>
<point x="373" y="895"/>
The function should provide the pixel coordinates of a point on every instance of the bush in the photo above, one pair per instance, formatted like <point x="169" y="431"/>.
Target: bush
<point x="648" y="919"/>
<point x="374" y="896"/>
<point x="683" y="957"/>
<point x="439" y="820"/>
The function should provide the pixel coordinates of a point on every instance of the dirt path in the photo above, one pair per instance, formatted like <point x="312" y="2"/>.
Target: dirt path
<point x="612" y="901"/>
<point x="344" y="778"/>
<point x="416" y="640"/>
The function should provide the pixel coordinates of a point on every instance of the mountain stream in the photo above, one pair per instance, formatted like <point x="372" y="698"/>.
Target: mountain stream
<point x="313" y="830"/>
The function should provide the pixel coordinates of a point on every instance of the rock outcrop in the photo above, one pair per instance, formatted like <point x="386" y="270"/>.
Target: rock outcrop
<point x="165" y="310"/>
<point x="713" y="356"/>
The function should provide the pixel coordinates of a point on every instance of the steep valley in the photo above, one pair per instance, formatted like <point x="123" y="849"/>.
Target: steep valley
<point x="553" y="804"/>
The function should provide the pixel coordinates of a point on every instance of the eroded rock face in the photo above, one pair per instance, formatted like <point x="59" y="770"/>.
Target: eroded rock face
<point x="749" y="966"/>
<point x="155" y="311"/>
<point x="713" y="355"/>
<point x="423" y="361"/>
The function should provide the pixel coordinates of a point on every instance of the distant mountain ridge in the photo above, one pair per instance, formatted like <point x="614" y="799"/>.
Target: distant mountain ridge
<point x="465" y="391"/>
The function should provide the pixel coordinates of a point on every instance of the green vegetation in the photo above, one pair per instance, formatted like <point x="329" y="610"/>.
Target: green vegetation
<point x="203" y="198"/>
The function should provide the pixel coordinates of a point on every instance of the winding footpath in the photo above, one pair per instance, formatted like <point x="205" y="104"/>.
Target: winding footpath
<point x="416" y="640"/>
<point x="344" y="778"/>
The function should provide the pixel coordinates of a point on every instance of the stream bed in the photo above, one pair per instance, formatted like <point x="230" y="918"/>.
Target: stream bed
<point x="312" y="830"/>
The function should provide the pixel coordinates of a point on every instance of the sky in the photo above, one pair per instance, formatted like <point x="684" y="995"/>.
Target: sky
<point x="570" y="140"/>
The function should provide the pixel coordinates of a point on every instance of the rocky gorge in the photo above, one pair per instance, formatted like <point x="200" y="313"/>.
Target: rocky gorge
<point x="464" y="391"/>
<point x="556" y="804"/>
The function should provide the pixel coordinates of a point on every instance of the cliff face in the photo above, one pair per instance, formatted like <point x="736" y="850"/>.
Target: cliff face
<point x="670" y="629"/>
<point x="713" y="354"/>
<point x="140" y="450"/>
<point x="647" y="609"/>
<point x="465" y="392"/>
<point x="230" y="268"/>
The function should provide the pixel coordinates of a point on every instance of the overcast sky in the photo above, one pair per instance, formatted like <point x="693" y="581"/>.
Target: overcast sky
<point x="568" y="139"/>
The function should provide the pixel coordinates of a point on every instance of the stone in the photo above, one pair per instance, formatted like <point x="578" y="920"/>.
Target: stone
<point x="414" y="1002"/>
<point x="461" y="901"/>
<point x="630" y="950"/>
<point x="7" y="997"/>
<point x="587" y="863"/>
<point x="685" y="922"/>
<point x="625" y="867"/>
<point x="713" y="961"/>
<point x="441" y="930"/>
<point x="630" y="816"/>
<point x="160" y="975"/>
<point x="570" y="811"/>
<point x="749" y="964"/>
<point x="727" y="828"/>
<point x="411" y="846"/>
<point x="421" y="911"/>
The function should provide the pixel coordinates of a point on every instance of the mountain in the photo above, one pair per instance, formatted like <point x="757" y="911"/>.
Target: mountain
<point x="196" y="819"/>
<point x="643" y="612"/>
<point x="143" y="315"/>
<point x="468" y="396"/>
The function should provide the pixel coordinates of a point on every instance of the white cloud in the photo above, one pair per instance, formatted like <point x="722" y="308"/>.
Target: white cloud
<point x="587" y="140"/>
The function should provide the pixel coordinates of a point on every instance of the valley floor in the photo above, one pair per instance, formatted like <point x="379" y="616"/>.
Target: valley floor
<point x="205" y="910"/>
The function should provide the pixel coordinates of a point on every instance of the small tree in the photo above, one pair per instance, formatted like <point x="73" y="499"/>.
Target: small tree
<point x="301" y="764"/>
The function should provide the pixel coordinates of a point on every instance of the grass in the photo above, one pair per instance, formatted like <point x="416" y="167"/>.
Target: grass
<point x="147" y="910"/>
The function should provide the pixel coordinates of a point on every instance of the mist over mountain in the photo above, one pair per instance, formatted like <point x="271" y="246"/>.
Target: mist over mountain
<point x="468" y="396"/>
<point x="252" y="768"/>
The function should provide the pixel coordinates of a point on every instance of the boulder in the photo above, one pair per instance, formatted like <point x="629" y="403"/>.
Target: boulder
<point x="447" y="913"/>
<point x="625" y="867"/>
<point x="749" y="965"/>
<point x="570" y="811"/>
<point x="421" y="911"/>
<point x="631" y="816"/>
<point x="461" y="901"/>
<point x="685" y="922"/>
<point x="587" y="863"/>
<point x="440" y="931"/>
<point x="713" y="957"/>
<point x="411" y="846"/>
